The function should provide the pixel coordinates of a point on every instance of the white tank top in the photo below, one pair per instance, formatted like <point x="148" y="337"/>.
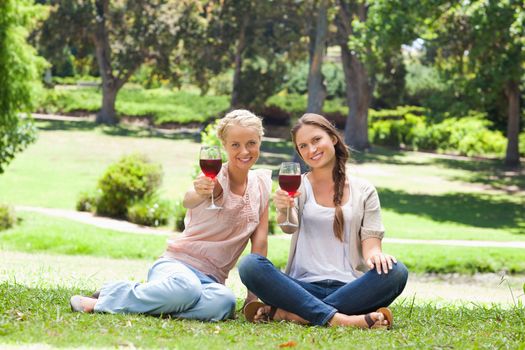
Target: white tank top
<point x="320" y="255"/>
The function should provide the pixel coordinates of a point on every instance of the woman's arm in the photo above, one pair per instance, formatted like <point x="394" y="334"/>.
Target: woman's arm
<point x="374" y="256"/>
<point x="202" y="189"/>
<point x="259" y="239"/>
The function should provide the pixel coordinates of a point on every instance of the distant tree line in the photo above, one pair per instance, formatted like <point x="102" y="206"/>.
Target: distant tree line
<point x="459" y="55"/>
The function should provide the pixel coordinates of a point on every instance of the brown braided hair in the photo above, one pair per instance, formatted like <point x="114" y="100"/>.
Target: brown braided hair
<point x="342" y="153"/>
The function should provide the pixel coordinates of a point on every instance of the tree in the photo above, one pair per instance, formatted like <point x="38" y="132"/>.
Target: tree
<point x="481" y="45"/>
<point x="370" y="34"/>
<point x="318" y="41"/>
<point x="125" y="34"/>
<point x="255" y="39"/>
<point x="20" y="69"/>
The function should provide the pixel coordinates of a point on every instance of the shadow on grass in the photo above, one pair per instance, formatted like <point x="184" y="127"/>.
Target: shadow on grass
<point x="384" y="156"/>
<point x="472" y="209"/>
<point x="491" y="173"/>
<point x="117" y="130"/>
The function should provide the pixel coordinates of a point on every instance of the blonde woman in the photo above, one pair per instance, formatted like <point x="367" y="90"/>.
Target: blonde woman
<point x="188" y="280"/>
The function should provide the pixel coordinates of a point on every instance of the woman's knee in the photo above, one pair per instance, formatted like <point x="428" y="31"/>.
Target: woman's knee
<point x="186" y="289"/>
<point x="250" y="265"/>
<point x="222" y="303"/>
<point x="399" y="272"/>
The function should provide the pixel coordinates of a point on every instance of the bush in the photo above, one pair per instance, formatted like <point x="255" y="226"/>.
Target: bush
<point x="180" y="214"/>
<point x="150" y="212"/>
<point x="131" y="179"/>
<point x="87" y="202"/>
<point x="7" y="217"/>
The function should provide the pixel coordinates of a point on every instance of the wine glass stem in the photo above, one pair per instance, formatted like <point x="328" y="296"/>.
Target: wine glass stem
<point x="288" y="214"/>
<point x="212" y="202"/>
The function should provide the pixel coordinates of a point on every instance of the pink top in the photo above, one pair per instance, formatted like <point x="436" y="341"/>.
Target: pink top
<point x="213" y="240"/>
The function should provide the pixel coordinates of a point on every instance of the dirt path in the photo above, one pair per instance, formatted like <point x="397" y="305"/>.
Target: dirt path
<point x="89" y="273"/>
<point x="125" y="226"/>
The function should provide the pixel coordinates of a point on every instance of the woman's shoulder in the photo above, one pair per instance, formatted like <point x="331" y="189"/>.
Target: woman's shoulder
<point x="359" y="183"/>
<point x="263" y="176"/>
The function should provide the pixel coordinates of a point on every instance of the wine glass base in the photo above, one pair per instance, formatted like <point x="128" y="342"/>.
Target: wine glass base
<point x="289" y="224"/>
<point x="213" y="207"/>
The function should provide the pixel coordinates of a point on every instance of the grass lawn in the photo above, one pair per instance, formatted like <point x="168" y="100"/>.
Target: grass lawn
<point x="36" y="316"/>
<point x="423" y="196"/>
<point x="41" y="234"/>
<point x="69" y="158"/>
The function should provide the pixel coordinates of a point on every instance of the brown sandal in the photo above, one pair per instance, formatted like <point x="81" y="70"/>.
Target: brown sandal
<point x="250" y="310"/>
<point x="387" y="313"/>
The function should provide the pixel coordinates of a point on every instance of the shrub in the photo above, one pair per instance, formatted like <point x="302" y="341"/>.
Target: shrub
<point x="180" y="214"/>
<point x="522" y="144"/>
<point x="150" y="211"/>
<point x="7" y="217"/>
<point x="131" y="179"/>
<point x="87" y="202"/>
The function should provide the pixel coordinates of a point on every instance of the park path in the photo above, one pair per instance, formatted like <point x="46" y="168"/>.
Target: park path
<point x="128" y="227"/>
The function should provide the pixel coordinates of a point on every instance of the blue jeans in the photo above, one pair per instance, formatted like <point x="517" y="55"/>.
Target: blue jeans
<point x="317" y="302"/>
<point x="174" y="289"/>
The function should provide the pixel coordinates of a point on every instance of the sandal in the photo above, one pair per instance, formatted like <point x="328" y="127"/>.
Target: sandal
<point x="388" y="316"/>
<point x="250" y="310"/>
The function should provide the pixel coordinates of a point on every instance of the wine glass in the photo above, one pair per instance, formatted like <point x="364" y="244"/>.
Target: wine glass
<point x="210" y="161"/>
<point x="289" y="180"/>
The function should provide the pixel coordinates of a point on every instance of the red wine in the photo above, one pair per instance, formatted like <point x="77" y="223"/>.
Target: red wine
<point x="210" y="167"/>
<point x="290" y="183"/>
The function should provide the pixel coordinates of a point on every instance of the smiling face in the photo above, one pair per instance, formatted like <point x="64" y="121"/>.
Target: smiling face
<point x="242" y="144"/>
<point x="315" y="146"/>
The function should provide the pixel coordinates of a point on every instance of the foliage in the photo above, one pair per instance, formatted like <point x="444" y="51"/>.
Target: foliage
<point x="19" y="75"/>
<point x="179" y="214"/>
<point x="470" y="135"/>
<point x="162" y="105"/>
<point x="125" y="35"/>
<point x="87" y="202"/>
<point x="150" y="211"/>
<point x="7" y="217"/>
<point x="125" y="182"/>
<point x="256" y="39"/>
<point x="296" y="79"/>
<point x="478" y="47"/>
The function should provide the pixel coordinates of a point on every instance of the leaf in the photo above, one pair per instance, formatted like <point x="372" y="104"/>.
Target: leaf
<point x="289" y="344"/>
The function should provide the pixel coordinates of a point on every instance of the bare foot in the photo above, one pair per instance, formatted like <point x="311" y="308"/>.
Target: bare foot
<point x="280" y="315"/>
<point x="340" y="319"/>
<point x="88" y="303"/>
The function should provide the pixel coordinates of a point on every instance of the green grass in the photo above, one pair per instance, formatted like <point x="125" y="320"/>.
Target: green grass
<point x="42" y="316"/>
<point x="70" y="158"/>
<point x="161" y="105"/>
<point x="41" y="234"/>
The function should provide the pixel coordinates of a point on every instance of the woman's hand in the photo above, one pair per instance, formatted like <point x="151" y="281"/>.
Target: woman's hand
<point x="203" y="186"/>
<point x="282" y="200"/>
<point x="381" y="262"/>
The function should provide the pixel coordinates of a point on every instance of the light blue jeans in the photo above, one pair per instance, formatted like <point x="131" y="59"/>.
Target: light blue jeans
<point x="173" y="288"/>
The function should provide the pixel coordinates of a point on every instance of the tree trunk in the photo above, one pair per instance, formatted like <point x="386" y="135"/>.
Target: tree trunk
<point x="107" y="115"/>
<point x="241" y="44"/>
<point x="316" y="86"/>
<point x="512" y="156"/>
<point x="110" y="85"/>
<point x="358" y="89"/>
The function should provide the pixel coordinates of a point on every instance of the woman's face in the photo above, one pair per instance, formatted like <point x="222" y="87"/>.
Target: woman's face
<point x="315" y="146"/>
<point x="242" y="146"/>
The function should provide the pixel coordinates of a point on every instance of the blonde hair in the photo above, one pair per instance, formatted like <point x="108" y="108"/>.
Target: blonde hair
<point x="240" y="117"/>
